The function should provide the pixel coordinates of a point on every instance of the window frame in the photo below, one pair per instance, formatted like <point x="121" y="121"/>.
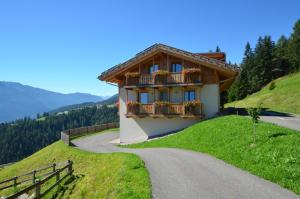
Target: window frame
<point x="188" y="97"/>
<point x="161" y="93"/>
<point x="153" y="68"/>
<point x="140" y="97"/>
<point x="174" y="67"/>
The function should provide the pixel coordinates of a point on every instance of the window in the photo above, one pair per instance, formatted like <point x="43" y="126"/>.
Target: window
<point x="163" y="96"/>
<point x="144" y="99"/>
<point x="189" y="95"/>
<point x="176" y="68"/>
<point x="153" y="68"/>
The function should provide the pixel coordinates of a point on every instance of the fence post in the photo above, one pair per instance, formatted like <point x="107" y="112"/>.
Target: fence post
<point x="53" y="167"/>
<point x="33" y="176"/>
<point x="37" y="188"/>
<point x="70" y="167"/>
<point x="57" y="175"/>
<point x="15" y="181"/>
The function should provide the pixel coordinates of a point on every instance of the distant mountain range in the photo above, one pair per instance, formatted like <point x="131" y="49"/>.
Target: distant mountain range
<point x="109" y="101"/>
<point x="18" y="101"/>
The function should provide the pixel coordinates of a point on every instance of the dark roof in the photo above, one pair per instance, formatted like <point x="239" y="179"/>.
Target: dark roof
<point x="195" y="56"/>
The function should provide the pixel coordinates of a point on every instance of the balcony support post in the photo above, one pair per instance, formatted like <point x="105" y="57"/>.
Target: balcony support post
<point x="126" y="101"/>
<point x="153" y="102"/>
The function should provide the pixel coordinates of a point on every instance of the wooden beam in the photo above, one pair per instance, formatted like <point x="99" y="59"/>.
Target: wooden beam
<point x="168" y="64"/>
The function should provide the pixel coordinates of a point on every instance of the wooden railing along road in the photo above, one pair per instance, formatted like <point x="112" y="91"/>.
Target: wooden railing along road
<point x="67" y="135"/>
<point x="37" y="178"/>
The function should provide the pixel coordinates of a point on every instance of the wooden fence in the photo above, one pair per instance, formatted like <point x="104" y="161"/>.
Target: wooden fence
<point x="67" y="135"/>
<point x="38" y="178"/>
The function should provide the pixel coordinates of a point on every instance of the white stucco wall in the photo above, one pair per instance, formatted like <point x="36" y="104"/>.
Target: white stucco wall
<point x="210" y="99"/>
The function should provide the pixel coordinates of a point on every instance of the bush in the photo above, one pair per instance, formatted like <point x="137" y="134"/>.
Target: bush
<point x="272" y="86"/>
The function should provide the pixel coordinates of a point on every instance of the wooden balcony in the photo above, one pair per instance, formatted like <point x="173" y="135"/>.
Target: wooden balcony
<point x="166" y="110"/>
<point x="152" y="80"/>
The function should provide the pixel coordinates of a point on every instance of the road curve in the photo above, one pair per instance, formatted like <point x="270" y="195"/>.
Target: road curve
<point x="183" y="174"/>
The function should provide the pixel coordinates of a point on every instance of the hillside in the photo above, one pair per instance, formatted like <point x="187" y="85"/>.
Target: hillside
<point x="109" y="101"/>
<point x="18" y="101"/>
<point x="117" y="175"/>
<point x="276" y="156"/>
<point x="285" y="97"/>
<point x="26" y="136"/>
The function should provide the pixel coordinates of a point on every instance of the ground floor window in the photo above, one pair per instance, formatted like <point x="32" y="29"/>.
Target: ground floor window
<point x="144" y="98"/>
<point x="163" y="96"/>
<point x="189" y="95"/>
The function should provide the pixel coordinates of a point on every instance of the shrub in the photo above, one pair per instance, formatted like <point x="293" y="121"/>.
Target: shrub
<point x="272" y="86"/>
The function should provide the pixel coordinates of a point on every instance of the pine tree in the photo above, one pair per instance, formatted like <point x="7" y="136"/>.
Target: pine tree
<point x="241" y="86"/>
<point x="218" y="49"/>
<point x="294" y="47"/>
<point x="263" y="63"/>
<point x="282" y="65"/>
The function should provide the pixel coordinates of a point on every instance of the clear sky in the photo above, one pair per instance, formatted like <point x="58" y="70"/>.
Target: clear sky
<point x="63" y="45"/>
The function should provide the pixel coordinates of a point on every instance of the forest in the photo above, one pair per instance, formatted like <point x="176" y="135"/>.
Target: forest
<point x="265" y="62"/>
<point x="23" y="137"/>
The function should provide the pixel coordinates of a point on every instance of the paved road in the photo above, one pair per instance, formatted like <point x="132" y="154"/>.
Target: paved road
<point x="180" y="174"/>
<point x="292" y="121"/>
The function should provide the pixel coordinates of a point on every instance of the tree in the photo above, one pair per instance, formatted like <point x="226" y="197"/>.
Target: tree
<point x="254" y="113"/>
<point x="282" y="65"/>
<point x="294" y="47"/>
<point x="241" y="86"/>
<point x="218" y="49"/>
<point x="263" y="63"/>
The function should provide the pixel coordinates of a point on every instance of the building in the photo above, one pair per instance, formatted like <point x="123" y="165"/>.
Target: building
<point x="164" y="89"/>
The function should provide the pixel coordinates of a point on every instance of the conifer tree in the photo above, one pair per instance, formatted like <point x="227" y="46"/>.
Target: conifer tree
<point x="218" y="49"/>
<point x="294" y="47"/>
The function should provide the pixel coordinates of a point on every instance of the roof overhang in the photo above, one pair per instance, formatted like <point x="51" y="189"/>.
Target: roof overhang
<point x="111" y="74"/>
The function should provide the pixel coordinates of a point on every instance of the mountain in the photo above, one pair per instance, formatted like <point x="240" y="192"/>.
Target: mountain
<point x="18" y="101"/>
<point x="282" y="94"/>
<point x="111" y="100"/>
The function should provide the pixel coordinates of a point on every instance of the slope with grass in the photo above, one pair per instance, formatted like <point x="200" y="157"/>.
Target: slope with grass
<point x="117" y="175"/>
<point x="276" y="156"/>
<point x="285" y="97"/>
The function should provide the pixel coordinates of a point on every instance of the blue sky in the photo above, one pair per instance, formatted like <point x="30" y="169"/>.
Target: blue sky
<point x="64" y="45"/>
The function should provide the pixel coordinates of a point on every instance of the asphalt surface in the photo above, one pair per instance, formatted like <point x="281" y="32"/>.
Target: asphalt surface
<point x="180" y="174"/>
<point x="289" y="121"/>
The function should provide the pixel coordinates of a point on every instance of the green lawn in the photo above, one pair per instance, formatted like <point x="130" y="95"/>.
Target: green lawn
<point x="276" y="156"/>
<point x="284" y="98"/>
<point x="117" y="175"/>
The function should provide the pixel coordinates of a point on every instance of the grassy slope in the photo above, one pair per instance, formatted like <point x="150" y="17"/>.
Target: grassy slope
<point x="285" y="97"/>
<point x="276" y="156"/>
<point x="117" y="175"/>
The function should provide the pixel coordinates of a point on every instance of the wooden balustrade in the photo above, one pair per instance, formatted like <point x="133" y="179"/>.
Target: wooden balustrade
<point x="145" y="79"/>
<point x="175" y="109"/>
<point x="171" y="109"/>
<point x="171" y="78"/>
<point x="146" y="109"/>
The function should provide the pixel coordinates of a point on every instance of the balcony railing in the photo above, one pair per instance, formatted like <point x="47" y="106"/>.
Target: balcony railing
<point x="170" y="78"/>
<point x="170" y="109"/>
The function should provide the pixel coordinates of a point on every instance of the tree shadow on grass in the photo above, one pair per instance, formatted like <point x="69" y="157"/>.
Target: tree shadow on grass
<point x="243" y="112"/>
<point x="67" y="185"/>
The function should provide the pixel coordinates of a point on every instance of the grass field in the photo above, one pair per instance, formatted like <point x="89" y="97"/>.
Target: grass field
<point x="117" y="175"/>
<point x="285" y="97"/>
<point x="276" y="156"/>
